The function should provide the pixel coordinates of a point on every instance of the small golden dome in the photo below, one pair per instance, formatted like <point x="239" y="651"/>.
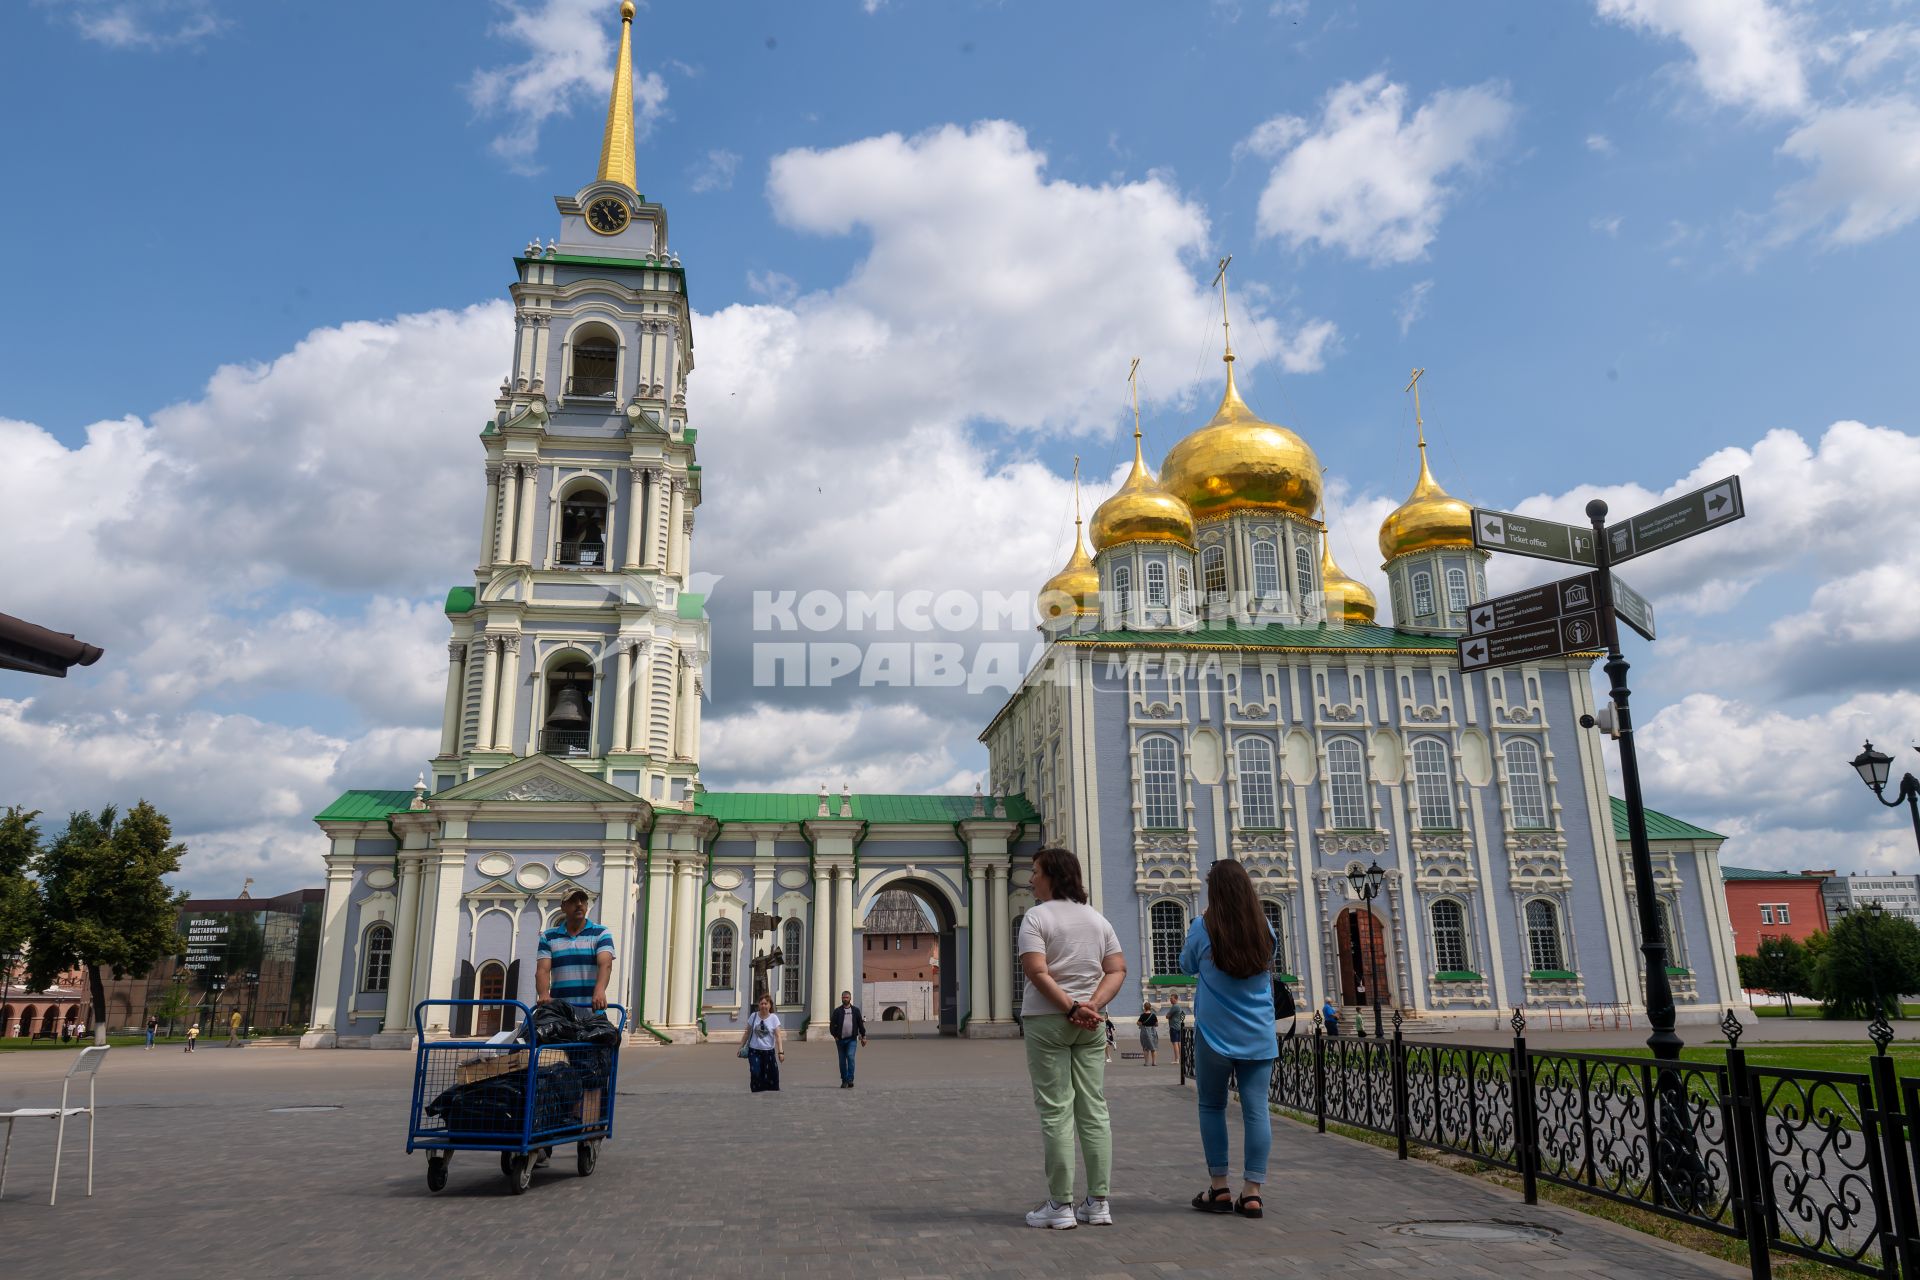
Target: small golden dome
<point x="1238" y="462"/>
<point x="1348" y="600"/>
<point x="1075" y="589"/>
<point x="1142" y="511"/>
<point x="1429" y="518"/>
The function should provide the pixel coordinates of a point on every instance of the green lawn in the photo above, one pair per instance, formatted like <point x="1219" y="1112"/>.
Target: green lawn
<point x="1812" y="1009"/>
<point x="1815" y="1055"/>
<point x="13" y="1044"/>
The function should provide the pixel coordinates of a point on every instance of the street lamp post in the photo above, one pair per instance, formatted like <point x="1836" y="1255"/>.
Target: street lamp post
<point x="1366" y="885"/>
<point x="253" y="993"/>
<point x="179" y="1002"/>
<point x="1873" y="768"/>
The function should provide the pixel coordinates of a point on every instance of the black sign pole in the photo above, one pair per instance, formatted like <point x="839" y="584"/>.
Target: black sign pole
<point x="1681" y="1170"/>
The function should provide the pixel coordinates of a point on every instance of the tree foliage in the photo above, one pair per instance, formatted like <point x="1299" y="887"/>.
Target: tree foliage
<point x="1864" y="952"/>
<point x="104" y="903"/>
<point x="19" y="845"/>
<point x="1780" y="966"/>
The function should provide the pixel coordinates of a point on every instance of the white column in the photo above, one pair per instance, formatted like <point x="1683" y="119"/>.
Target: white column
<point x="659" y="927"/>
<point x="487" y="535"/>
<point x="1001" y="958"/>
<point x="686" y="543"/>
<point x="979" y="944"/>
<point x="649" y="537"/>
<point x="822" y="964"/>
<point x="683" y="710"/>
<point x="639" y="698"/>
<point x="503" y="720"/>
<point x="684" y="953"/>
<point x="444" y="939"/>
<point x="636" y="516"/>
<point x="675" y="508"/>
<point x="616" y="912"/>
<point x="450" y="709"/>
<point x="844" y="975"/>
<point x="406" y="928"/>
<point x="333" y="944"/>
<point x="489" y="670"/>
<point x="523" y="544"/>
<point x="622" y="693"/>
<point x="509" y="487"/>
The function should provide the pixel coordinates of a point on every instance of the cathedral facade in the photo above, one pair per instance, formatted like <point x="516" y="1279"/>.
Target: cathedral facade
<point x="1212" y="687"/>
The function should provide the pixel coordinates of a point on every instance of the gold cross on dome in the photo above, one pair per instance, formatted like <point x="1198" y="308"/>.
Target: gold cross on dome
<point x="1413" y="385"/>
<point x="1220" y="282"/>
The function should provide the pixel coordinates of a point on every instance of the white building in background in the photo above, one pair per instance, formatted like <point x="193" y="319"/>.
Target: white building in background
<point x="1898" y="895"/>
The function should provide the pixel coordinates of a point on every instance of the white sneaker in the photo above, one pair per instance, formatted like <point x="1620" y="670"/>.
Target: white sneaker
<point x="1057" y="1216"/>
<point x="1095" y="1213"/>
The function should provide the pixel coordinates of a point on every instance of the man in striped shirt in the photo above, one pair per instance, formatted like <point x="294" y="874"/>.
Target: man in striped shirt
<point x="576" y="958"/>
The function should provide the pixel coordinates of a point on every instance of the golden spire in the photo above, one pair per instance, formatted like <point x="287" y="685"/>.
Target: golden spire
<point x="1347" y="600"/>
<point x="1076" y="588"/>
<point x="616" y="147"/>
<point x="1419" y="425"/>
<point x="1133" y="387"/>
<point x="1226" y="325"/>
<point x="1141" y="510"/>
<point x="1430" y="517"/>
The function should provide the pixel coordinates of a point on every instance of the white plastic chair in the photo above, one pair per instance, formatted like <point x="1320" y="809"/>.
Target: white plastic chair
<point x="87" y="1064"/>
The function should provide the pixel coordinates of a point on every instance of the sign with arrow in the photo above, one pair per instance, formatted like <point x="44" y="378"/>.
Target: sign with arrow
<point x="1632" y="608"/>
<point x="1553" y="638"/>
<point x="1531" y="536"/>
<point x="1670" y="522"/>
<point x="1537" y="604"/>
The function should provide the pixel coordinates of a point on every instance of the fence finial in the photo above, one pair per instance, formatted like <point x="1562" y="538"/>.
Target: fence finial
<point x="1880" y="1032"/>
<point x="1730" y="1028"/>
<point x="1518" y="1021"/>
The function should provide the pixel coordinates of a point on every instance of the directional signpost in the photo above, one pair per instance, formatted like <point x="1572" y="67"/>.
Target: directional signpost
<point x="1534" y="624"/>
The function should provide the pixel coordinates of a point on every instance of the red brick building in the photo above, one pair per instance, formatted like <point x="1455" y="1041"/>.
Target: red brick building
<point x="900" y="962"/>
<point x="1780" y="904"/>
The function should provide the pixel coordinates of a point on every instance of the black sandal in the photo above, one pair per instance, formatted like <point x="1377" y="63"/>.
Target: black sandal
<point x="1249" y="1206"/>
<point x="1214" y="1200"/>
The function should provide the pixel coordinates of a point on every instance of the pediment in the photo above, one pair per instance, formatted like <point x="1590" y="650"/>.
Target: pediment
<point x="540" y="779"/>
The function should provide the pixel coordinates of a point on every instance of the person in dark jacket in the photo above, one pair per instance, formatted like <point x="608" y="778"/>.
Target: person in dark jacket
<point x="849" y="1031"/>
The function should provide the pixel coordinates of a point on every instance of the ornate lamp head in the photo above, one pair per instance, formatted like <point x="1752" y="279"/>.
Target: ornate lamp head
<point x="1873" y="767"/>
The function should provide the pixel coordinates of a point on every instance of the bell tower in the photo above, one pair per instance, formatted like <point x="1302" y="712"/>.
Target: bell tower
<point x="579" y="638"/>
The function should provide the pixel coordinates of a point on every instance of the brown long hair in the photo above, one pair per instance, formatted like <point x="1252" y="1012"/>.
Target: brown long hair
<point x="1062" y="871"/>
<point x="1242" y="943"/>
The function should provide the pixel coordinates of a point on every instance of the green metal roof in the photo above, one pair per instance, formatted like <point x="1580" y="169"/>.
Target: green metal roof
<point x="1319" y="638"/>
<point x="691" y="604"/>
<point x="364" y="806"/>
<point x="775" y="806"/>
<point x="460" y="600"/>
<point x="1659" y="825"/>
<point x="1758" y="873"/>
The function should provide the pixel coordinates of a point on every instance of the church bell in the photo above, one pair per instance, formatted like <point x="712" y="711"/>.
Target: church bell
<point x="569" y="709"/>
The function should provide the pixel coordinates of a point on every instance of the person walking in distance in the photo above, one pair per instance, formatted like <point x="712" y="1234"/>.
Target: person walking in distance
<point x="233" y="1029"/>
<point x="193" y="1034"/>
<point x="1074" y="966"/>
<point x="764" y="1041"/>
<point x="849" y="1033"/>
<point x="1230" y="951"/>
<point x="1149" y="1032"/>
<point x="1330" y="1014"/>
<point x="1176" y="1023"/>
<point x="153" y="1028"/>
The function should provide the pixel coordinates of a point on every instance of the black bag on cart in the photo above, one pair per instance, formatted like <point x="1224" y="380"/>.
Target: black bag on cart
<point x="494" y="1105"/>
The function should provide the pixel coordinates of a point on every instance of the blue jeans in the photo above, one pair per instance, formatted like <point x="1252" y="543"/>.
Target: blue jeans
<point x="845" y="1048"/>
<point x="763" y="1071"/>
<point x="1210" y="1073"/>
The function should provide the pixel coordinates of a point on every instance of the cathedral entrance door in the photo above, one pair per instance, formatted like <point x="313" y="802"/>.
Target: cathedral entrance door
<point x="920" y="970"/>
<point x="1356" y="971"/>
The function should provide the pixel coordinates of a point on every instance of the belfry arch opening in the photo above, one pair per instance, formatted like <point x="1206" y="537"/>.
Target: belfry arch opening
<point x="566" y="726"/>
<point x="909" y="961"/>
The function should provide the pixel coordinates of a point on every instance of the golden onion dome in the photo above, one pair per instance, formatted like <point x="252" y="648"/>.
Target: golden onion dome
<point x="1348" y="599"/>
<point x="1141" y="511"/>
<point x="1238" y="462"/>
<point x="1429" y="518"/>
<point x="1075" y="589"/>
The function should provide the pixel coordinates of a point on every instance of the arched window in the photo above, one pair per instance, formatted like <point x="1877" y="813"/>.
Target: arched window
<point x="567" y="725"/>
<point x="1457" y="590"/>
<point x="1123" y="589"/>
<point x="1160" y="783"/>
<point x="1302" y="573"/>
<point x="1266" y="570"/>
<point x="492" y="985"/>
<point x="596" y="357"/>
<point x="583" y="530"/>
<point x="1156" y="583"/>
<point x="1019" y="973"/>
<point x="1347" y="785"/>
<point x="1399" y="602"/>
<point x="1433" y="785"/>
<point x="1526" y="788"/>
<point x="1277" y="921"/>
<point x="1449" y="936"/>
<point x="1182" y="589"/>
<point x="1671" y="933"/>
<point x="1423" y="594"/>
<point x="1544" y="952"/>
<point x="720" y="957"/>
<point x="1166" y="931"/>
<point x="1257" y="807"/>
<point x="791" y="977"/>
<point x="376" y="966"/>
<point x="1213" y="573"/>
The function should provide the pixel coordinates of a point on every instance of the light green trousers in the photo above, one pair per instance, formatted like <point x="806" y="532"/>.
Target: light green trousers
<point x="1067" y="1065"/>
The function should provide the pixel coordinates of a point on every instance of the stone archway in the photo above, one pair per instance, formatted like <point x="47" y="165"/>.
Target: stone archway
<point x="1350" y="940"/>
<point x="935" y="899"/>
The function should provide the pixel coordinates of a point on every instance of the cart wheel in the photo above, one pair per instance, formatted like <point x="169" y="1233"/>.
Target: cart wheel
<point x="436" y="1173"/>
<point x="506" y="1163"/>
<point x="585" y="1156"/>
<point x="520" y="1173"/>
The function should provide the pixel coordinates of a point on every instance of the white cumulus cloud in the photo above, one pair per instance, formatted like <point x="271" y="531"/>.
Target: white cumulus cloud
<point x="1746" y="53"/>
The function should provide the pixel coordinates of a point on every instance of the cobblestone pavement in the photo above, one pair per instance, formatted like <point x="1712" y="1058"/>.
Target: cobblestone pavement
<point x="923" y="1170"/>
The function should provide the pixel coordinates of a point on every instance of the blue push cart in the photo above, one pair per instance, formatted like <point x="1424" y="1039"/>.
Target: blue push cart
<point x="521" y="1099"/>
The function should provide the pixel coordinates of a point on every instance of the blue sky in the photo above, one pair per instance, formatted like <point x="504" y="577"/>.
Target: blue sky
<point x="1637" y="244"/>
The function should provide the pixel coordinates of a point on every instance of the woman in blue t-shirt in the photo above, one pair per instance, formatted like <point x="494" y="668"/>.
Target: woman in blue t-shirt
<point x="1230" y="951"/>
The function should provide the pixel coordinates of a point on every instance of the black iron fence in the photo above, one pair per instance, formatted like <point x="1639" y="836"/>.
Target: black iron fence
<point x="1807" y="1164"/>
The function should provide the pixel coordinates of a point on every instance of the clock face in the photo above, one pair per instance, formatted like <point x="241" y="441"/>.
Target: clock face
<point x="608" y="216"/>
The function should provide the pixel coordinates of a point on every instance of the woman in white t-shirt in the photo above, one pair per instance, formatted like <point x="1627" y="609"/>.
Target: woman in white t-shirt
<point x="765" y="1040"/>
<point x="1073" y="965"/>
